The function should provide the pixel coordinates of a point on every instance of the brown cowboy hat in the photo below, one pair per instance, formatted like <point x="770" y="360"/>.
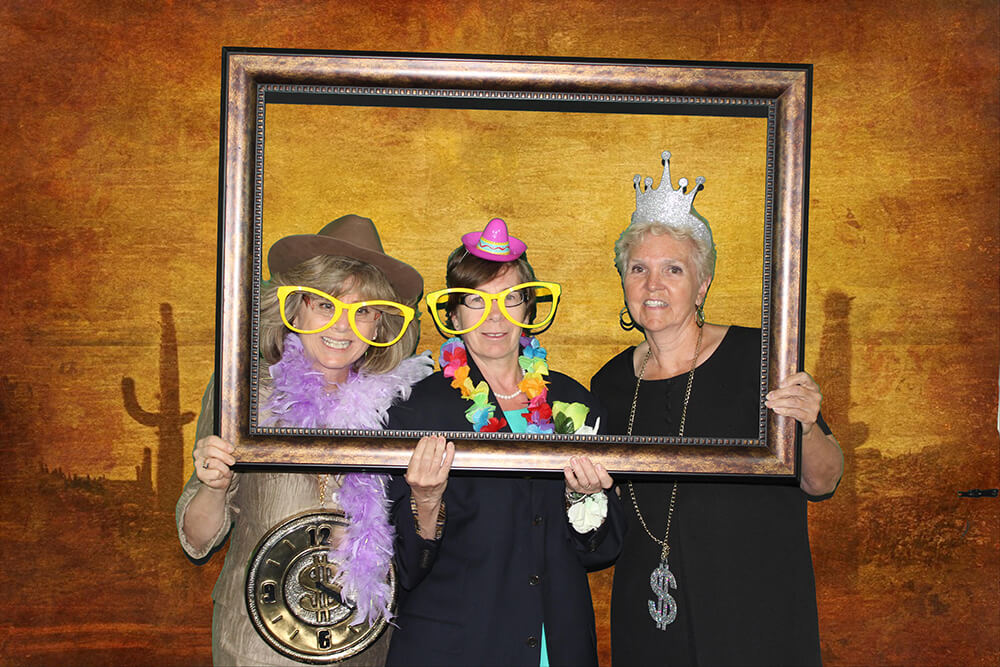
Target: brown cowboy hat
<point x="348" y="236"/>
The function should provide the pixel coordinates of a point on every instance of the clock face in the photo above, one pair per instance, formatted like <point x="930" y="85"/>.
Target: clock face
<point x="292" y="598"/>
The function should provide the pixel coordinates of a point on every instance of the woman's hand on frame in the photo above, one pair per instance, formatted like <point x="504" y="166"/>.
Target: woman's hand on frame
<point x="584" y="476"/>
<point x="213" y="458"/>
<point x="798" y="396"/>
<point x="427" y="472"/>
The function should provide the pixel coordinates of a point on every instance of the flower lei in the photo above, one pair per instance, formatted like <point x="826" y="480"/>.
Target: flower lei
<point x="559" y="417"/>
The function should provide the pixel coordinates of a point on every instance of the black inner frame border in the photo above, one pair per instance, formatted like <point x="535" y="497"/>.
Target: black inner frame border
<point x="513" y="100"/>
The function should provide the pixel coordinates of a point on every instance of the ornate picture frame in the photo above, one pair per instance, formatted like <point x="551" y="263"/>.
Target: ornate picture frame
<point x="254" y="80"/>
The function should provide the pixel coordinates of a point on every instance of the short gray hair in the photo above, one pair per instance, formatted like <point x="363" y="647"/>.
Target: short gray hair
<point x="704" y="249"/>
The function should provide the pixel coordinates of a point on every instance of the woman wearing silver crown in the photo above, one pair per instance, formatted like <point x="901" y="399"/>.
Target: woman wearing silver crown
<point x="730" y="560"/>
<point x="493" y="570"/>
<point x="307" y="575"/>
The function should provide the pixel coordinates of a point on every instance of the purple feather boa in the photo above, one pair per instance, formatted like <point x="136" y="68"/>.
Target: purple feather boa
<point x="366" y="550"/>
<point x="299" y="397"/>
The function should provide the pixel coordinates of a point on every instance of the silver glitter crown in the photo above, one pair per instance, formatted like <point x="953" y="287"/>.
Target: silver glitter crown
<point x="664" y="204"/>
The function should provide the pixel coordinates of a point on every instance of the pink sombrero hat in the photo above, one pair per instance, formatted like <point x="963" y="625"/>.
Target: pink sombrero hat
<point x="494" y="243"/>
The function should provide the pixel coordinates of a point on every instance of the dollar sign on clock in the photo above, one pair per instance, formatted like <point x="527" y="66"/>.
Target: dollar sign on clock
<point x="664" y="608"/>
<point x="323" y="595"/>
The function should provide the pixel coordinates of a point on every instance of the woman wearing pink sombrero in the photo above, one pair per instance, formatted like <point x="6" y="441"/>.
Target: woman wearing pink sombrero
<point x="493" y="571"/>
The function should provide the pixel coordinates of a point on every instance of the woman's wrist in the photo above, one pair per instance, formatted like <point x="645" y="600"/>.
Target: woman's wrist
<point x="427" y="514"/>
<point x="586" y="511"/>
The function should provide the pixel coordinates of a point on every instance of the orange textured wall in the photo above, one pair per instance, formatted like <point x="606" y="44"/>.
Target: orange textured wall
<point x="109" y="129"/>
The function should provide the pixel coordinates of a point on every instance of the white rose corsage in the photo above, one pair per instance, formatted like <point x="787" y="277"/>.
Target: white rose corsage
<point x="586" y="511"/>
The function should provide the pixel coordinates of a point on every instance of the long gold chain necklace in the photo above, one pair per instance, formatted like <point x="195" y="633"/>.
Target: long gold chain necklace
<point x="664" y="609"/>
<point x="321" y="480"/>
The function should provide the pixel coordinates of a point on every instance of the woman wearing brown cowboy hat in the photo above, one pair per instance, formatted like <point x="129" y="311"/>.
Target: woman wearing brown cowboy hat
<point x="306" y="577"/>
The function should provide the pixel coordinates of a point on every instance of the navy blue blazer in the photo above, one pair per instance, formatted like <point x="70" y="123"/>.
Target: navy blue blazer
<point x="507" y="562"/>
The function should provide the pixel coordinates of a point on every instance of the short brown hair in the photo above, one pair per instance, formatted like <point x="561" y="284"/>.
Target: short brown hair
<point x="468" y="270"/>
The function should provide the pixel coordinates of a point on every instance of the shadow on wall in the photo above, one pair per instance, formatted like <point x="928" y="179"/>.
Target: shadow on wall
<point x="169" y="421"/>
<point x="125" y="593"/>
<point x="834" y="369"/>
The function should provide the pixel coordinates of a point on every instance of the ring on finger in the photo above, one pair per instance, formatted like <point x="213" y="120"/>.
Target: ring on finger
<point x="205" y="464"/>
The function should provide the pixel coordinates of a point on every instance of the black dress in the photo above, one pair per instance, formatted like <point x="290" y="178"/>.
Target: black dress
<point x="739" y="551"/>
<point x="507" y="562"/>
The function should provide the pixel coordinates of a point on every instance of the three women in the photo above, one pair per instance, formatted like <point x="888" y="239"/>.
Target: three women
<point x="493" y="570"/>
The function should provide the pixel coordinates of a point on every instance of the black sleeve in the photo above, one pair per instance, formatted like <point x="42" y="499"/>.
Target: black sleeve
<point x="413" y="556"/>
<point x="402" y="417"/>
<point x="599" y="548"/>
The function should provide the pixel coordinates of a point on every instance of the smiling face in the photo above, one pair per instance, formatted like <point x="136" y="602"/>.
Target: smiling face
<point x="334" y="350"/>
<point x="496" y="338"/>
<point x="660" y="281"/>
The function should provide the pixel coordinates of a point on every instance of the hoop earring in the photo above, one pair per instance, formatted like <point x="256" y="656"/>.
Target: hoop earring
<point x="699" y="314"/>
<point x="627" y="326"/>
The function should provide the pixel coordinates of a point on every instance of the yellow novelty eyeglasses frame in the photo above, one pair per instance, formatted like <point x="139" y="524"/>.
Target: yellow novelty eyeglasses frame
<point x="353" y="309"/>
<point x="436" y="303"/>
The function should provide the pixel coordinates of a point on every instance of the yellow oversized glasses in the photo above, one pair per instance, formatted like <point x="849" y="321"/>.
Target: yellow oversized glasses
<point x="394" y="317"/>
<point x="533" y="305"/>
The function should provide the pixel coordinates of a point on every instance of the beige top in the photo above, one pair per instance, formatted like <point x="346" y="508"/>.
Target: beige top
<point x="255" y="503"/>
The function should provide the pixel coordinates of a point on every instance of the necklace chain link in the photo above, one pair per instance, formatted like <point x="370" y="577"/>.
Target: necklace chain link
<point x="680" y="434"/>
<point x="321" y="480"/>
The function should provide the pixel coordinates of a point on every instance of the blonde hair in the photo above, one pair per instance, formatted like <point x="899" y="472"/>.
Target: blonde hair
<point x="704" y="249"/>
<point x="336" y="276"/>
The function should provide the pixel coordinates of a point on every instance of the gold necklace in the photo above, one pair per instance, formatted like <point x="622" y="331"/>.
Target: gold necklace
<point x="321" y="481"/>
<point x="664" y="610"/>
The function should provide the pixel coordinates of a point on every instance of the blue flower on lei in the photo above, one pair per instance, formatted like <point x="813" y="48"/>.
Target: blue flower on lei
<point x="536" y="428"/>
<point x="531" y="348"/>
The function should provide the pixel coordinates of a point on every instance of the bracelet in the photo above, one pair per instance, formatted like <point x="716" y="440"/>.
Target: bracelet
<point x="438" y="525"/>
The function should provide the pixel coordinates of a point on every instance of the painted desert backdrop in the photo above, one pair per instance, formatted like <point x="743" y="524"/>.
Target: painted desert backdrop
<point x="109" y="196"/>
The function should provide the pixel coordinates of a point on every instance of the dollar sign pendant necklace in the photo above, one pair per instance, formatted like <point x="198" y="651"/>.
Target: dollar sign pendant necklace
<point x="663" y="610"/>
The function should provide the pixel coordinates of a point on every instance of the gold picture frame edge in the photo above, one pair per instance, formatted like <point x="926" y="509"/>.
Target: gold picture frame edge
<point x="244" y="70"/>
